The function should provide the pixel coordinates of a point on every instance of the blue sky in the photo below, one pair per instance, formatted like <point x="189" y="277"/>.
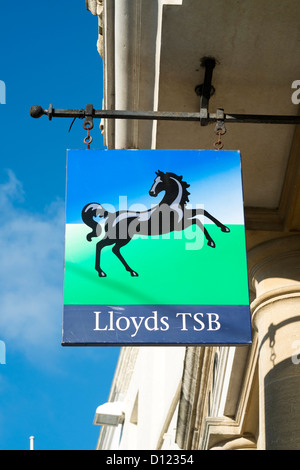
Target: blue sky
<point x="48" y="55"/>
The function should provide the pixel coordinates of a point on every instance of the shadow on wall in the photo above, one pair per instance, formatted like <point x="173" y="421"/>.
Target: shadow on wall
<point x="282" y="405"/>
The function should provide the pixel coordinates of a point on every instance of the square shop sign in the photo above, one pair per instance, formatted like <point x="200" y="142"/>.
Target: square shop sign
<point x="155" y="249"/>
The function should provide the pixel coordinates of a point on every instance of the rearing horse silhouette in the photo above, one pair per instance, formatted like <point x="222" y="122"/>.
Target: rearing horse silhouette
<point x="170" y="215"/>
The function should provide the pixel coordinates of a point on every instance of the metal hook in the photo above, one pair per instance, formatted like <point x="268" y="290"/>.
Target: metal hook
<point x="88" y="124"/>
<point x="220" y="128"/>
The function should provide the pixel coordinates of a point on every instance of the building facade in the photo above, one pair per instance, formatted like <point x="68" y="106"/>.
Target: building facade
<point x="207" y="398"/>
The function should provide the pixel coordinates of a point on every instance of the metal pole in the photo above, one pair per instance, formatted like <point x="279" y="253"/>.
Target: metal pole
<point x="37" y="111"/>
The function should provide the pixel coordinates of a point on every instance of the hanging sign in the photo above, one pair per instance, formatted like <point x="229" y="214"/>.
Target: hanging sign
<point x="155" y="248"/>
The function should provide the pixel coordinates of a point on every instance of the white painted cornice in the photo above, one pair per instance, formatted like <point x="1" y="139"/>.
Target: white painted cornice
<point x="131" y="31"/>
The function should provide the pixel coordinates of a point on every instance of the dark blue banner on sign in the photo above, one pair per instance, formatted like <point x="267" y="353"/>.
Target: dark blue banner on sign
<point x="156" y="324"/>
<point x="155" y="249"/>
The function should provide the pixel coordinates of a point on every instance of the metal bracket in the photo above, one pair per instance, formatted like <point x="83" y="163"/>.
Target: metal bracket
<point x="220" y="126"/>
<point x="88" y="122"/>
<point x="206" y="90"/>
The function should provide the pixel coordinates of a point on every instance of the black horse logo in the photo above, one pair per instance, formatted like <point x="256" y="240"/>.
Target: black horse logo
<point x="171" y="214"/>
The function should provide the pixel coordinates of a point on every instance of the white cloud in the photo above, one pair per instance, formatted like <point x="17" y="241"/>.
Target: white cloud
<point x="31" y="270"/>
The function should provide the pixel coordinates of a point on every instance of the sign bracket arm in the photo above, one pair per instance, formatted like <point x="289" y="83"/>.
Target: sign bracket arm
<point x="37" y="111"/>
